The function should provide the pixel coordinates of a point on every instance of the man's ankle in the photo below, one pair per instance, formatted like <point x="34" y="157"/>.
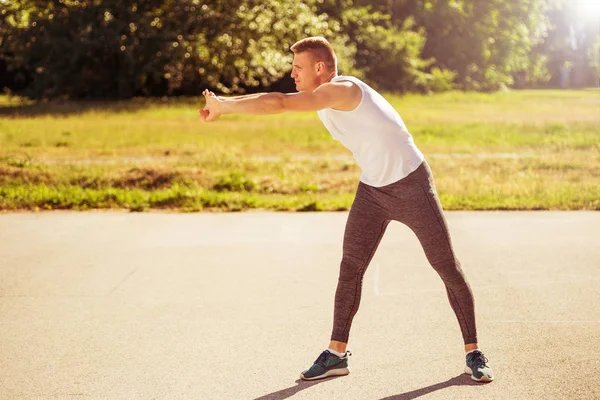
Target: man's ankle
<point x="337" y="353"/>
<point x="470" y="347"/>
<point x="340" y="347"/>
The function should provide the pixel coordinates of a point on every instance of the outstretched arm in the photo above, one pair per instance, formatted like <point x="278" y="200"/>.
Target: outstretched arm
<point x="326" y="95"/>
<point x="244" y="96"/>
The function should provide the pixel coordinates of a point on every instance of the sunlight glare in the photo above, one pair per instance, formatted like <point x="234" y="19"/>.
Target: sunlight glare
<point x="588" y="9"/>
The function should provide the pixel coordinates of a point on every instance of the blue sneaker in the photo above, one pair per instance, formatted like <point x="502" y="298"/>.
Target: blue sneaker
<point x="477" y="367"/>
<point x="327" y="364"/>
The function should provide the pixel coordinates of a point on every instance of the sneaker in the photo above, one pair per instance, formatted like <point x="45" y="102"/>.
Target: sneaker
<point x="477" y="367"/>
<point x="327" y="364"/>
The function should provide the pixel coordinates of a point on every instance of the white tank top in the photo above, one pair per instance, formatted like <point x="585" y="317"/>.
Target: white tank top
<point x="374" y="132"/>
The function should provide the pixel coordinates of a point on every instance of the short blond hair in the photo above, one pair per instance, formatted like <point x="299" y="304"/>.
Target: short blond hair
<point x="320" y="50"/>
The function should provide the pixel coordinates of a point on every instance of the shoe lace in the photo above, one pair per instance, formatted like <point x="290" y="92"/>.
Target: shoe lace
<point x="324" y="355"/>
<point x="321" y="357"/>
<point x="479" y="359"/>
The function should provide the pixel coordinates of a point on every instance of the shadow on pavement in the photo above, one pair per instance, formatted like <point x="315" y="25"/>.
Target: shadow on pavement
<point x="460" y="380"/>
<point x="289" y="392"/>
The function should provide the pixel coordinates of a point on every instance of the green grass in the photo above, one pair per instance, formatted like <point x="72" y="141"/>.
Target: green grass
<point x="507" y="150"/>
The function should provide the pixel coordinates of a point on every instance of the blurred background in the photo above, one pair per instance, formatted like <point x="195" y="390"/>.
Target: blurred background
<point x="109" y="49"/>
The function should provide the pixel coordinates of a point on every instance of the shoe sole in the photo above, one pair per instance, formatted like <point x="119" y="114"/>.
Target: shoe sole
<point x="331" y="372"/>
<point x="484" y="378"/>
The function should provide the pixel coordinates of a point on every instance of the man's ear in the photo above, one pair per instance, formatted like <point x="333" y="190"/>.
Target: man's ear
<point x="320" y="66"/>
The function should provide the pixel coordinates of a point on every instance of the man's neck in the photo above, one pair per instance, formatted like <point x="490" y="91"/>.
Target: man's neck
<point x="330" y="77"/>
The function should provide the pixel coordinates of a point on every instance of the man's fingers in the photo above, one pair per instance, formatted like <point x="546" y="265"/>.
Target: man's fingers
<point x="207" y="93"/>
<point x="205" y="113"/>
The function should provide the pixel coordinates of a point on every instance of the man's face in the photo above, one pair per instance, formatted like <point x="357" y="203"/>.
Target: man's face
<point x="304" y="72"/>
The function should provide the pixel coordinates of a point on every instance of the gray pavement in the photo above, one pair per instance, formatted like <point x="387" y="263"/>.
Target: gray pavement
<point x="114" y="305"/>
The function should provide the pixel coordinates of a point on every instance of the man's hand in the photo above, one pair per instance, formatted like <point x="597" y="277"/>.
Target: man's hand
<point x="211" y="111"/>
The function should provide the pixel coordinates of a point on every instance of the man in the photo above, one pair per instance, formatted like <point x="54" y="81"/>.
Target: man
<point x="396" y="184"/>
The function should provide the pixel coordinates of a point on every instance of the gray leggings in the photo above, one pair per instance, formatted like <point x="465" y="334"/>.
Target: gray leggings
<point x="412" y="201"/>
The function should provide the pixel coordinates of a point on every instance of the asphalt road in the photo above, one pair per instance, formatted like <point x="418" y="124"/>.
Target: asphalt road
<point x="115" y="305"/>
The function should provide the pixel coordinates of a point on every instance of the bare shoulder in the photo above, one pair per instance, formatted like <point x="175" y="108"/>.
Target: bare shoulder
<point x="346" y="94"/>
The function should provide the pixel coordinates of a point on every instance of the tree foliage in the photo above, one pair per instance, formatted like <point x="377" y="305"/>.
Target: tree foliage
<point x="93" y="48"/>
<point x="109" y="48"/>
<point x="569" y="47"/>
<point x="484" y="42"/>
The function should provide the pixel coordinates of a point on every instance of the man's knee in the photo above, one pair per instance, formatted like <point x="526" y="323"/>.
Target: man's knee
<point x="350" y="267"/>
<point x="450" y="271"/>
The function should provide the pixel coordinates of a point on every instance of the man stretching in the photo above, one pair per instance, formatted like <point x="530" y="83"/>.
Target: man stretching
<point x="396" y="184"/>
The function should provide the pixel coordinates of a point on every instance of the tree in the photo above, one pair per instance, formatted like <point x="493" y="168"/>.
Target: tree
<point x="387" y="56"/>
<point x="100" y="49"/>
<point x="485" y="42"/>
<point x="569" y="46"/>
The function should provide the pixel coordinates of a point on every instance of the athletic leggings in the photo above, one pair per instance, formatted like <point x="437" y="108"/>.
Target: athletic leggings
<point x="412" y="201"/>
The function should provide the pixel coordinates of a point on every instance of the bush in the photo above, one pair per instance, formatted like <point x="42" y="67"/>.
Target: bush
<point x="234" y="182"/>
<point x="438" y="80"/>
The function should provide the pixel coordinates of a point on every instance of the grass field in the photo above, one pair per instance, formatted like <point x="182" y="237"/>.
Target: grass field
<point x="509" y="150"/>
